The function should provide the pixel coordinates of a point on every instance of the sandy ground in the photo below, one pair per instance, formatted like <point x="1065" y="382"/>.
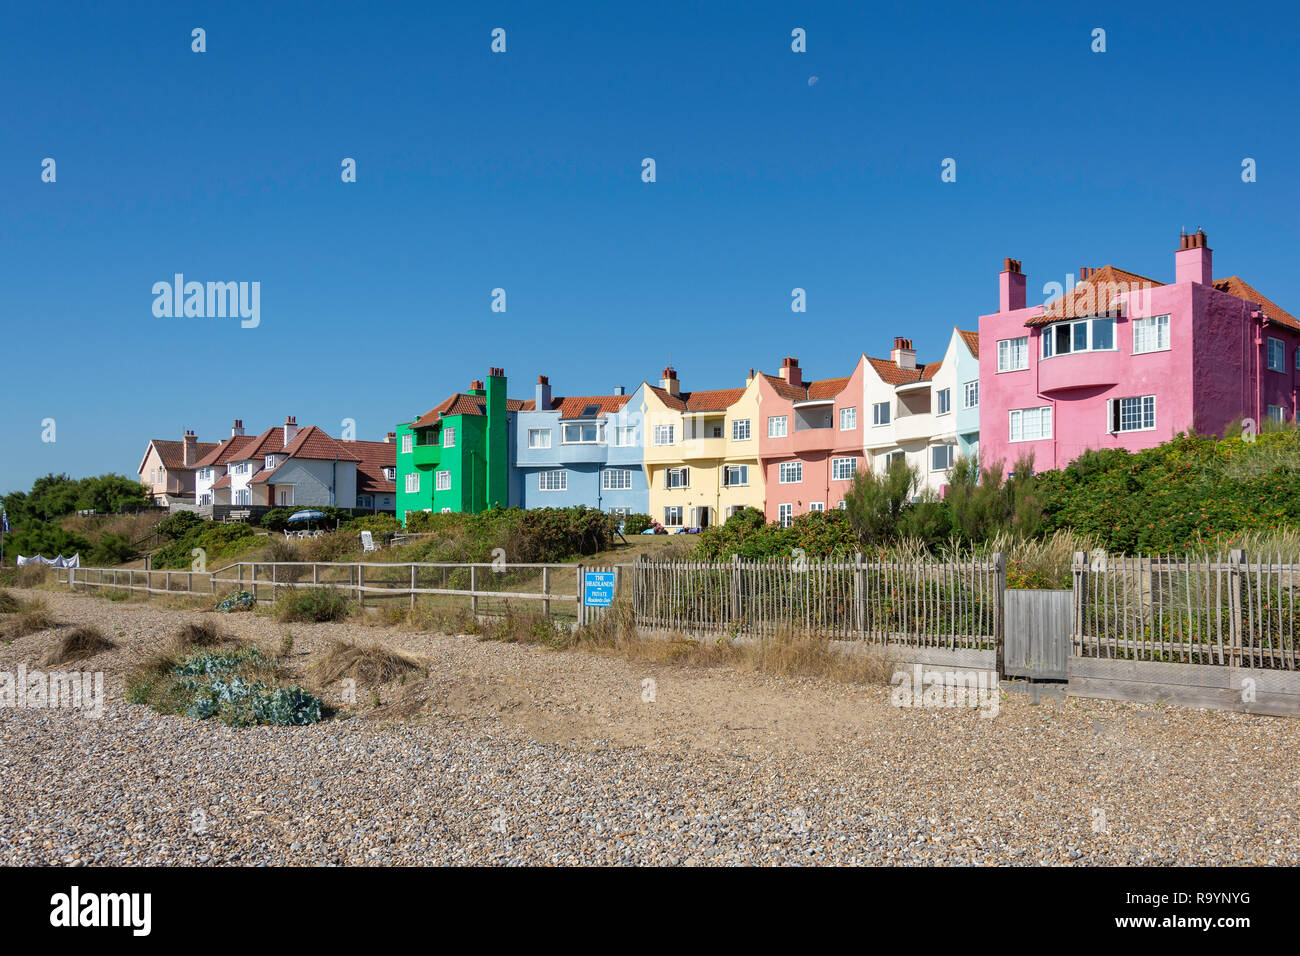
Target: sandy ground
<point x="515" y="754"/>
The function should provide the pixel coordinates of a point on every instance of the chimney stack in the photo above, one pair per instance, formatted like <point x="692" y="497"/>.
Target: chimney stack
<point x="669" y="382"/>
<point x="238" y="428"/>
<point x="1193" y="261"/>
<point x="390" y="438"/>
<point x="790" y="371"/>
<point x="476" y="387"/>
<point x="542" y="394"/>
<point x="189" y="448"/>
<point x="903" y="355"/>
<point x="290" y="428"/>
<point x="1011" y="286"/>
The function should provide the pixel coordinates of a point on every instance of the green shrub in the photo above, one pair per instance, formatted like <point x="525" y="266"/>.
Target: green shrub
<point x="313" y="605"/>
<point x="637" y="523"/>
<point x="179" y="525"/>
<point x="277" y="519"/>
<point x="112" y="549"/>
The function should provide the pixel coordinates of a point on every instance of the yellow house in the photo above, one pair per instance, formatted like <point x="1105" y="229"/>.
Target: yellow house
<point x="701" y="452"/>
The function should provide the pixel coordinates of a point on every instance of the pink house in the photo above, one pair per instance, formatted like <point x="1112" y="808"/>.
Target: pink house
<point x="1125" y="361"/>
<point x="809" y="439"/>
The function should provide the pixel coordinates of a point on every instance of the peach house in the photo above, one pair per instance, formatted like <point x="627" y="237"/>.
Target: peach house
<point x="809" y="439"/>
<point x="168" y="467"/>
<point x="1126" y="361"/>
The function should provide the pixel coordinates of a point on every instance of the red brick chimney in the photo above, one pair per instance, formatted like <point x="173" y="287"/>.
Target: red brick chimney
<point x="1193" y="261"/>
<point x="669" y="382"/>
<point x="903" y="355"/>
<point x="189" y="448"/>
<point x="390" y="438"/>
<point x="790" y="371"/>
<point x="237" y="429"/>
<point x="1011" y="286"/>
<point x="290" y="428"/>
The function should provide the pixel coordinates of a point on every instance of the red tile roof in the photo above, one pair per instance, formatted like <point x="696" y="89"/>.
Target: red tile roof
<point x="312" y="442"/>
<point x="710" y="400"/>
<point x="793" y="393"/>
<point x="891" y="374"/>
<point x="573" y="406"/>
<point x="269" y="441"/>
<point x="172" y="453"/>
<point x="224" y="452"/>
<point x="972" y="340"/>
<point x="827" y="387"/>
<point x="1235" y="285"/>
<point x="1095" y="295"/>
<point x="375" y="457"/>
<point x="222" y="482"/>
<point x="461" y="404"/>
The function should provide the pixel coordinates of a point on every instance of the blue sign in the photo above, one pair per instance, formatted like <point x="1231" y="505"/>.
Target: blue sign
<point x="598" y="588"/>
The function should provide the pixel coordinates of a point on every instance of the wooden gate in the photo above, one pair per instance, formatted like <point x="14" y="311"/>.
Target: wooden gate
<point x="1038" y="628"/>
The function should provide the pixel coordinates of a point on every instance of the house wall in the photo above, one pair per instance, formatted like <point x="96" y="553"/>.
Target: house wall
<point x="815" y="448"/>
<point x="315" y="482"/>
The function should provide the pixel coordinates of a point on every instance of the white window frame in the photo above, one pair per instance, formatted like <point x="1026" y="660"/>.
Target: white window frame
<point x="728" y="470"/>
<point x="242" y="496"/>
<point x="663" y="432"/>
<point x="838" y="465"/>
<point x="616" y="479"/>
<point x="816" y="506"/>
<point x="795" y="468"/>
<point x="1158" y="326"/>
<point x="1115" y="407"/>
<point x="597" y="431"/>
<point x="1047" y="338"/>
<point x="1016" y="423"/>
<point x="624" y="436"/>
<point x="943" y="401"/>
<point x="449" y="437"/>
<point x="1280" y="416"/>
<point x="740" y="429"/>
<point x="1279" y="353"/>
<point x="412" y="482"/>
<point x="951" y="456"/>
<point x="785" y="514"/>
<point x="1006" y="356"/>
<point x="971" y="394"/>
<point x="408" y="443"/>
<point x="539" y="437"/>
<point x="777" y="426"/>
<point x="881" y="414"/>
<point x="683" y="471"/>
<point x="442" y="480"/>
<point x="553" y="479"/>
<point x="673" y="516"/>
<point x="848" y="418"/>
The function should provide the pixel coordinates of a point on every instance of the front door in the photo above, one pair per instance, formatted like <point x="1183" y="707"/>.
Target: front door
<point x="701" y="518"/>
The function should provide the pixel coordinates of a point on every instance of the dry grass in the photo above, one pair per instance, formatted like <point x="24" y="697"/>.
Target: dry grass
<point x="202" y="634"/>
<point x="371" y="665"/>
<point x="76" y="645"/>
<point x="790" y="653"/>
<point x="32" y="576"/>
<point x="8" y="603"/>
<point x="32" y="616"/>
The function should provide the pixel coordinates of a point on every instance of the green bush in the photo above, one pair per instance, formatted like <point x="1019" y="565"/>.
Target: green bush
<point x="637" y="523"/>
<point x="534" y="535"/>
<point x="112" y="549"/>
<point x="217" y="540"/>
<point x="376" y="524"/>
<point x="277" y="519"/>
<point x="313" y="605"/>
<point x="179" y="525"/>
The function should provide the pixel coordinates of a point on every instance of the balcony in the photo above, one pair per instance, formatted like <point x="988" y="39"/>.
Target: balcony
<point x="808" y="440"/>
<point x="426" y="456"/>
<point x="1080" y="370"/>
<point x="913" y="427"/>
<point x="695" y="448"/>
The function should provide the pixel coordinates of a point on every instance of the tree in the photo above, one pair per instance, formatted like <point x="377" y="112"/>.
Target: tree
<point x="877" y="500"/>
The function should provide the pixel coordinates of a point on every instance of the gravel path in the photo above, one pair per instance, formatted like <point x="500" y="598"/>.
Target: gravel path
<point x="508" y="754"/>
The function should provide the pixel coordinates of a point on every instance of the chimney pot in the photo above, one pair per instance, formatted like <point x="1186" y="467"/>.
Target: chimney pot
<point x="1194" y="261"/>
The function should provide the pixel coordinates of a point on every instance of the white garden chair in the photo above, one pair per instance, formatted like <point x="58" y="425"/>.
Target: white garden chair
<point x="367" y="542"/>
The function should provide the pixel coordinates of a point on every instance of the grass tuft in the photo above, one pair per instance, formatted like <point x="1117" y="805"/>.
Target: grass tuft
<point x="76" y="645"/>
<point x="312" y="605"/>
<point x="371" y="665"/>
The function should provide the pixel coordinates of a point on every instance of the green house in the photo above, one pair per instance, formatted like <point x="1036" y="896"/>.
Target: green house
<point x="456" y="456"/>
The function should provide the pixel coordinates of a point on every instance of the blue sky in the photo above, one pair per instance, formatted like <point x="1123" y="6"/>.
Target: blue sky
<point x="522" y="171"/>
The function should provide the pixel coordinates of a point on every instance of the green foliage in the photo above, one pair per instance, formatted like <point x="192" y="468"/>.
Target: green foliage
<point x="112" y="549"/>
<point x="277" y="519"/>
<point x="218" y="540"/>
<point x="637" y="523"/>
<point x="376" y="524"/>
<point x="535" y="535"/>
<point x="178" y="525"/>
<point x="312" y="605"/>
<point x="984" y="504"/>
<point x="231" y="685"/>
<point x="749" y="535"/>
<point x="56" y="496"/>
<point x="877" y="500"/>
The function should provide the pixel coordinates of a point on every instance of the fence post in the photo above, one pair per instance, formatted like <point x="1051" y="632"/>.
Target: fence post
<point x="736" y="608"/>
<point x="999" y="605"/>
<point x="473" y="586"/>
<point x="1080" y="575"/>
<point x="361" y="583"/>
<point x="253" y="572"/>
<point x="546" y="589"/>
<point x="130" y="581"/>
<point x="1236" y="613"/>
<point x="413" y="585"/>
<point x="582" y="604"/>
<point x="860" y="594"/>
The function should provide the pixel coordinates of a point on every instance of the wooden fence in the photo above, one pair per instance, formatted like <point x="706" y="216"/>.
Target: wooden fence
<point x="484" y="588"/>
<point x="1222" y="610"/>
<point x="924" y="604"/>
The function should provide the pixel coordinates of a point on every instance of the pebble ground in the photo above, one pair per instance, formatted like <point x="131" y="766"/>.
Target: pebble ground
<point x="508" y="754"/>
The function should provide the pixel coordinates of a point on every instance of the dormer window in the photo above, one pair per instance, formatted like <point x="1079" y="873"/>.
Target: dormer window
<point x="390" y="474"/>
<point x="1086" y="335"/>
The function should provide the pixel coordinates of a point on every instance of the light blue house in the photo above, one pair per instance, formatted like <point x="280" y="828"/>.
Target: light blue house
<point x="967" y="397"/>
<point x="583" y="450"/>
